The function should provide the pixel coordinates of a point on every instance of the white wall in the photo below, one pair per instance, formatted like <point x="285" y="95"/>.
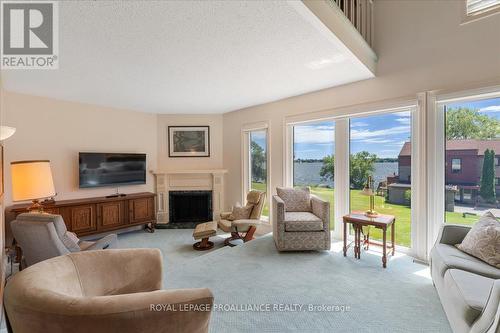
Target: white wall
<point x="57" y="130"/>
<point x="421" y="47"/>
<point x="191" y="163"/>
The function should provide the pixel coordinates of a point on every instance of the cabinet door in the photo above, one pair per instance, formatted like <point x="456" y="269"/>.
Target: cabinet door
<point x="82" y="218"/>
<point x="51" y="210"/>
<point x="110" y="215"/>
<point x="141" y="210"/>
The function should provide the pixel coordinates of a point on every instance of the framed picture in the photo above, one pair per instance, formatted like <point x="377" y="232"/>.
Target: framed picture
<point x="188" y="141"/>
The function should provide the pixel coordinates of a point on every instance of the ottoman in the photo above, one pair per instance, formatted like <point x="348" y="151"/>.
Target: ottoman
<point x="204" y="231"/>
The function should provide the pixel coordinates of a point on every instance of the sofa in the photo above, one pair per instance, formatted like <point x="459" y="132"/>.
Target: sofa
<point x="301" y="221"/>
<point x="43" y="236"/>
<point x="103" y="291"/>
<point x="469" y="289"/>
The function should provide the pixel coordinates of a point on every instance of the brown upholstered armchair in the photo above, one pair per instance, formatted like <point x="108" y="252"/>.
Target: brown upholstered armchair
<point x="301" y="221"/>
<point x="244" y="228"/>
<point x="103" y="291"/>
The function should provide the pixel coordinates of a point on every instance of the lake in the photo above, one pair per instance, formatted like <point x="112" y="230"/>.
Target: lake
<point x="308" y="173"/>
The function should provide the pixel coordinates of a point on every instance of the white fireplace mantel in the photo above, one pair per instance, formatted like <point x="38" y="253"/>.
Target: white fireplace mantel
<point x="188" y="180"/>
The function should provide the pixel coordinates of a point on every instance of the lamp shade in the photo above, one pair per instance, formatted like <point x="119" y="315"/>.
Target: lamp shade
<point x="31" y="180"/>
<point x="6" y="132"/>
<point x="367" y="191"/>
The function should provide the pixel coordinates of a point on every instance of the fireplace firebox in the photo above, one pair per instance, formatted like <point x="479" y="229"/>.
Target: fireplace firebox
<point x="190" y="206"/>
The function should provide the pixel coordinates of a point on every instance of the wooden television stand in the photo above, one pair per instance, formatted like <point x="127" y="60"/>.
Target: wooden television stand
<point x="96" y="215"/>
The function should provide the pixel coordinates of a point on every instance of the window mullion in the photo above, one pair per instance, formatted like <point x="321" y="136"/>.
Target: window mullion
<point x="341" y="176"/>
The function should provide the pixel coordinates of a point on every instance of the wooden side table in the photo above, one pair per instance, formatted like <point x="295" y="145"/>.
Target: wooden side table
<point x="359" y="220"/>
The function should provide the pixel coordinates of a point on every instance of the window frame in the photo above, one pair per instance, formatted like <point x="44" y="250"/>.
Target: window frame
<point x="428" y="156"/>
<point x="459" y="170"/>
<point x="436" y="143"/>
<point x="475" y="16"/>
<point x="246" y="130"/>
<point x="341" y="117"/>
<point x="417" y="158"/>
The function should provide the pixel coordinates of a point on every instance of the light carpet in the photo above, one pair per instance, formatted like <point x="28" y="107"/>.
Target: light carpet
<point x="400" y="298"/>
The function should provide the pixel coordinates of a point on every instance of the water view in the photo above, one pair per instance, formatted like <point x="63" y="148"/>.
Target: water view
<point x="380" y="146"/>
<point x="308" y="173"/>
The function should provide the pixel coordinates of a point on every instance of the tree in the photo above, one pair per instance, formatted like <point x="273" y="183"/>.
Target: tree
<point x="258" y="158"/>
<point x="487" y="189"/>
<point x="407" y="196"/>
<point x="362" y="165"/>
<point x="466" y="123"/>
<point x="328" y="168"/>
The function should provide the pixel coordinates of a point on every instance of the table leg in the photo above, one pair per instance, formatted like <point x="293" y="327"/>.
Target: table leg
<point x="392" y="237"/>
<point x="355" y="241"/>
<point x="345" y="239"/>
<point x="384" y="246"/>
<point x="359" y="242"/>
<point x="355" y="236"/>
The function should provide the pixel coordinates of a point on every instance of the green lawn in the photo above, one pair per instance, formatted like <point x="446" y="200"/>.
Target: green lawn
<point x="360" y="203"/>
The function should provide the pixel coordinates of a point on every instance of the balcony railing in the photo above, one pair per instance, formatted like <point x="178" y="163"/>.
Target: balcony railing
<point x="360" y="13"/>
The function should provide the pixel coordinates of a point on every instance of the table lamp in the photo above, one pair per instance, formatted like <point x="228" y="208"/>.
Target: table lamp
<point x="368" y="190"/>
<point x="6" y="132"/>
<point x="32" y="180"/>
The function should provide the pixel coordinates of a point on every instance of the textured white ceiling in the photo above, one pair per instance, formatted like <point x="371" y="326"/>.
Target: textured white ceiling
<point x="189" y="56"/>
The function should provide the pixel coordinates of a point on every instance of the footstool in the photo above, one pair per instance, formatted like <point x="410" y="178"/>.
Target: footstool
<point x="204" y="231"/>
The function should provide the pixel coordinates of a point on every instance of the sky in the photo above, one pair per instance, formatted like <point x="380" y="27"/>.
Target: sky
<point x="383" y="135"/>
<point x="490" y="107"/>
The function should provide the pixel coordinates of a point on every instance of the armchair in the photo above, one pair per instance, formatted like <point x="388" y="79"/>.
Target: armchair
<point x="244" y="228"/>
<point x="301" y="221"/>
<point x="43" y="236"/>
<point x="103" y="292"/>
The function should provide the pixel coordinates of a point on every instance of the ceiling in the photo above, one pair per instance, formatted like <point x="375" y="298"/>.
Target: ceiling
<point x="189" y="57"/>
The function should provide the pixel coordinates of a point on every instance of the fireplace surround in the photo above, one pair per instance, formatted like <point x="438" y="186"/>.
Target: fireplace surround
<point x="167" y="181"/>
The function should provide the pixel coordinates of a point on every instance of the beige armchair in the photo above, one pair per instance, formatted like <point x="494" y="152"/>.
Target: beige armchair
<point x="300" y="221"/>
<point x="103" y="292"/>
<point x="244" y="228"/>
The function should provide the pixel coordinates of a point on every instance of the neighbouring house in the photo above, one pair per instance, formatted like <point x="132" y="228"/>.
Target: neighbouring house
<point x="464" y="163"/>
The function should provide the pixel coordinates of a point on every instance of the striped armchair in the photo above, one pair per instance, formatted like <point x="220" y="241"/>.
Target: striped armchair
<point x="301" y="221"/>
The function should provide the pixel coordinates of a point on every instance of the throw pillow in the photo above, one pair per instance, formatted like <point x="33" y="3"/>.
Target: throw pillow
<point x="483" y="240"/>
<point x="73" y="236"/>
<point x="295" y="199"/>
<point x="68" y="239"/>
<point x="240" y="213"/>
<point x="253" y="197"/>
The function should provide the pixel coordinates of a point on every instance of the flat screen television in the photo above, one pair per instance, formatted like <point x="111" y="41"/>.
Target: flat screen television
<point x="111" y="169"/>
